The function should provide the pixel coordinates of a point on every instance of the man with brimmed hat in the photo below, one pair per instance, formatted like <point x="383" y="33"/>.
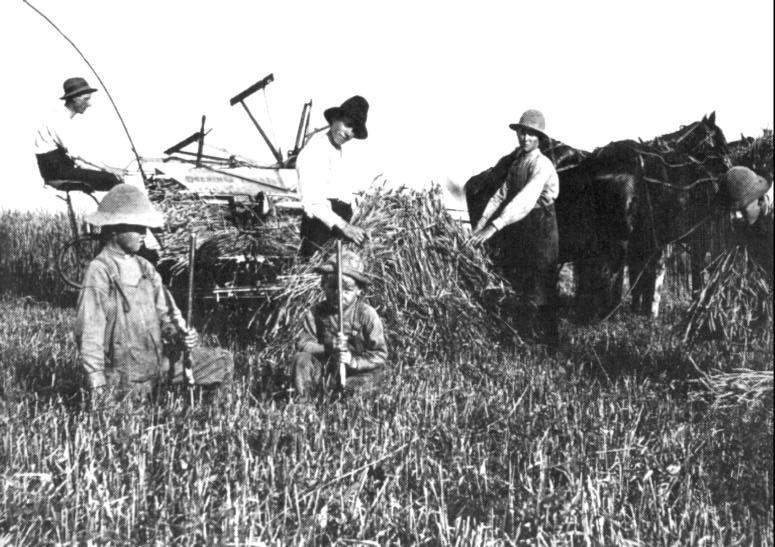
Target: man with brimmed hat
<point x="56" y="161"/>
<point x="128" y="326"/>
<point x="319" y="346"/>
<point x="750" y="196"/>
<point x="325" y="185"/>
<point x="522" y="215"/>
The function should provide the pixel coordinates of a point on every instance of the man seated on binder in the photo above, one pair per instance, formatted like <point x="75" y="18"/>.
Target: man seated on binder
<point x="57" y="161"/>
<point x="324" y="186"/>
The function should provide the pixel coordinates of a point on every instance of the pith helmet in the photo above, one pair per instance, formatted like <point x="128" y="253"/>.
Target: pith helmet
<point x="743" y="186"/>
<point x="352" y="265"/>
<point x="74" y="87"/>
<point x="126" y="204"/>
<point x="357" y="109"/>
<point x="532" y="120"/>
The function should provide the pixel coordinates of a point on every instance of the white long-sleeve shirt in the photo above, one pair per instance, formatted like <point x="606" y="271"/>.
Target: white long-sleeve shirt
<point x="54" y="131"/>
<point x="323" y="175"/>
<point x="62" y="128"/>
<point x="532" y="180"/>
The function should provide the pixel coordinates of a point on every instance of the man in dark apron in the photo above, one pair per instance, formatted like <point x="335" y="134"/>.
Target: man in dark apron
<point x="522" y="215"/>
<point x="324" y="181"/>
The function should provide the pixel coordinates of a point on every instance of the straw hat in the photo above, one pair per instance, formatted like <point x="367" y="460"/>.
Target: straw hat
<point x="357" y="109"/>
<point x="352" y="265"/>
<point x="743" y="186"/>
<point x="126" y="204"/>
<point x="532" y="120"/>
<point x="74" y="87"/>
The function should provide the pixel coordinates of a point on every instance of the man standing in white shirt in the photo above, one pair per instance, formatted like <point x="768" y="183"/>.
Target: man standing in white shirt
<point x="325" y="189"/>
<point x="55" y="162"/>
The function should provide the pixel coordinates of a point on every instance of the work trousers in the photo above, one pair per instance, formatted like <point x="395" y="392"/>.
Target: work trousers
<point x="315" y="235"/>
<point x="57" y="165"/>
<point x="528" y="252"/>
<point x="312" y="374"/>
<point x="211" y="367"/>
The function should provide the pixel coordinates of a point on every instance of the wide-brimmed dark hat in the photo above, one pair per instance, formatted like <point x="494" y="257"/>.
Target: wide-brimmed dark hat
<point x="532" y="120"/>
<point x="357" y="109"/>
<point x="74" y="87"/>
<point x="352" y="265"/>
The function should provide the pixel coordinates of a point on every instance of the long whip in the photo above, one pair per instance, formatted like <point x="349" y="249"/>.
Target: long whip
<point x="110" y="98"/>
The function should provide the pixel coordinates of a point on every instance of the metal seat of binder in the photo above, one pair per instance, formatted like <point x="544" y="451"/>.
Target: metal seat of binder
<point x="70" y="185"/>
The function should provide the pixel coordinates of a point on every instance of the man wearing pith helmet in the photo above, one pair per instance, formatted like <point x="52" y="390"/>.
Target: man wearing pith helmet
<point x="127" y="324"/>
<point x="59" y="161"/>
<point x="325" y="178"/>
<point x="522" y="214"/>
<point x="750" y="196"/>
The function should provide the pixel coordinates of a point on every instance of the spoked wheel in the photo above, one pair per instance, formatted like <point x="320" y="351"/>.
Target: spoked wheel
<point x="75" y="257"/>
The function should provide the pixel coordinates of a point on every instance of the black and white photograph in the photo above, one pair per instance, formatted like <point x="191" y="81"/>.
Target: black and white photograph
<point x="395" y="273"/>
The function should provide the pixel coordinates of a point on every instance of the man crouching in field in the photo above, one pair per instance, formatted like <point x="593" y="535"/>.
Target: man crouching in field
<point x="127" y="323"/>
<point x="320" y="346"/>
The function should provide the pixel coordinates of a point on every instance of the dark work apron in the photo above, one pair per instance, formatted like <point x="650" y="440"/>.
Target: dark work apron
<point x="758" y="239"/>
<point x="528" y="254"/>
<point x="315" y="235"/>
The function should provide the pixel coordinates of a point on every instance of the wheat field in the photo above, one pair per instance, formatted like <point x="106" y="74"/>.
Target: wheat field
<point x="613" y="440"/>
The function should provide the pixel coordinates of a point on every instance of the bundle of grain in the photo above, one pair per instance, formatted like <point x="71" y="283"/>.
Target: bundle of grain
<point x="238" y="246"/>
<point x="735" y="303"/>
<point x="244" y="257"/>
<point x="429" y="287"/>
<point x="756" y="154"/>
<point x="185" y="213"/>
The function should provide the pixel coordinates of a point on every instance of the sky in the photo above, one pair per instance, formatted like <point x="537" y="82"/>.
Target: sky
<point x="443" y="79"/>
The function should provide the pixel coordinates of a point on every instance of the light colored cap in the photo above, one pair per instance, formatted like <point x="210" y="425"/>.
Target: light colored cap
<point x="126" y="204"/>
<point x="743" y="186"/>
<point x="533" y="120"/>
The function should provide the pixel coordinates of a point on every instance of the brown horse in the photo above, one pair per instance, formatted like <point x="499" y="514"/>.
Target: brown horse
<point x="644" y="196"/>
<point x="620" y="205"/>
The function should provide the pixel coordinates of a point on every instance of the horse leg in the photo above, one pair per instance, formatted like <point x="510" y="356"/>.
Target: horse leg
<point x="589" y="288"/>
<point x="642" y="275"/>
<point x="617" y="259"/>
<point x="646" y="280"/>
<point x="615" y="205"/>
<point x="660" y="271"/>
<point x="581" y="278"/>
<point x="699" y="245"/>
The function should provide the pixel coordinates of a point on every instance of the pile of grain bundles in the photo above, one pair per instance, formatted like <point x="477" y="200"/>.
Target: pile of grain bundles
<point x="735" y="302"/>
<point x="436" y="295"/>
